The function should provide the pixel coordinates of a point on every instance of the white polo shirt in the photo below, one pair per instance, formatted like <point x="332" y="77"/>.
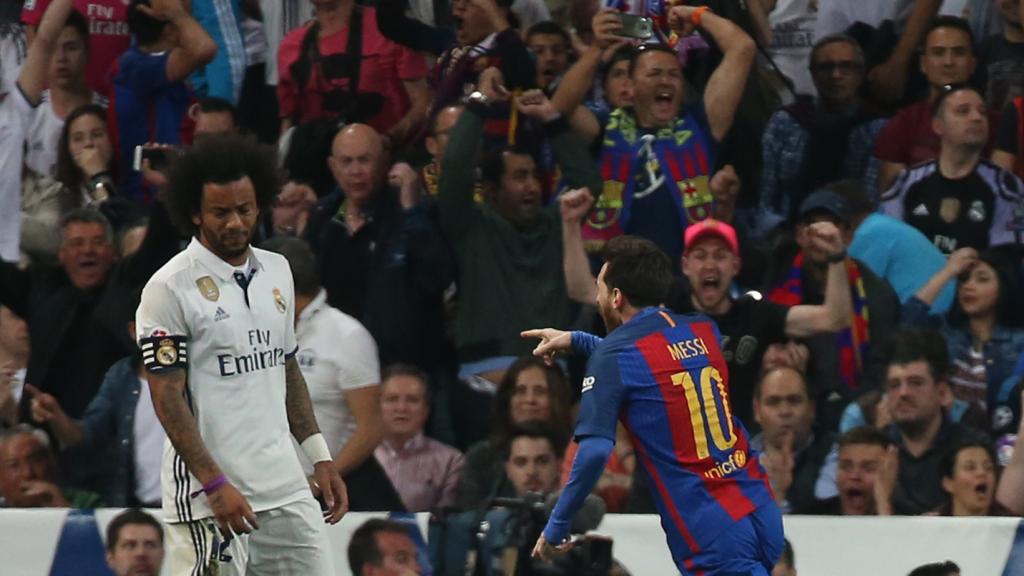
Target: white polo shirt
<point x="336" y="354"/>
<point x="193" y="312"/>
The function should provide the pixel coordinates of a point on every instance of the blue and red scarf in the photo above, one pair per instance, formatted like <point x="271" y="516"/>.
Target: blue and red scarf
<point x="853" y="342"/>
<point x="679" y="152"/>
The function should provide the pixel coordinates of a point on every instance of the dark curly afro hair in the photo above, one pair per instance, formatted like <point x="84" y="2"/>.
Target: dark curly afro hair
<point x="220" y="159"/>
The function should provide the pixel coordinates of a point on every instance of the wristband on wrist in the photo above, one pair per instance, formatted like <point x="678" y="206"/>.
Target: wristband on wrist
<point x="316" y="449"/>
<point x="837" y="258"/>
<point x="211" y="486"/>
<point x="697" y="14"/>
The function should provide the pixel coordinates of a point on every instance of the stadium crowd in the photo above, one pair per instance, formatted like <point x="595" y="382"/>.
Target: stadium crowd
<point x="838" y="183"/>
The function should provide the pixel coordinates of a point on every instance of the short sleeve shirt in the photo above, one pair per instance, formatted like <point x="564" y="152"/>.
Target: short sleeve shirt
<point x="384" y="66"/>
<point x="234" y="345"/>
<point x="108" y="34"/>
<point x="984" y="208"/>
<point x="336" y="355"/>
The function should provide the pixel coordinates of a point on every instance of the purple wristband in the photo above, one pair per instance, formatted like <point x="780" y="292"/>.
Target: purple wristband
<point x="211" y="486"/>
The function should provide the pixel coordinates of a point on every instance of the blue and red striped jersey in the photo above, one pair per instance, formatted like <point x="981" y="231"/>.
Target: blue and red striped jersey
<point x="664" y="376"/>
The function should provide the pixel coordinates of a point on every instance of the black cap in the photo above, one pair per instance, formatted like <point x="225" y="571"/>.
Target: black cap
<point x="823" y="200"/>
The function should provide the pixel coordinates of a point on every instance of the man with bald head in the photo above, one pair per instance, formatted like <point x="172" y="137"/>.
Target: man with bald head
<point x="800" y="460"/>
<point x="383" y="261"/>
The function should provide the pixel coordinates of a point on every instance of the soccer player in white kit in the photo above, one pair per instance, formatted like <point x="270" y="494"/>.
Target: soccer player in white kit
<point x="216" y="326"/>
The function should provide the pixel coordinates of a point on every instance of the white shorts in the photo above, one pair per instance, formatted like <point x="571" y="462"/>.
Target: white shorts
<point x="291" y="540"/>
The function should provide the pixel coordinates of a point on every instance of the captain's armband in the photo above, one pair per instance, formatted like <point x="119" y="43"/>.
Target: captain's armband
<point x="164" y="353"/>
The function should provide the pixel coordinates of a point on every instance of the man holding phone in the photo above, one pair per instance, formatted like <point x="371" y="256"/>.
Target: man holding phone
<point x="668" y="150"/>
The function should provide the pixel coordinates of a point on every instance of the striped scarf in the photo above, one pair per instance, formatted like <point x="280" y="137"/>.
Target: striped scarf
<point x="852" y="341"/>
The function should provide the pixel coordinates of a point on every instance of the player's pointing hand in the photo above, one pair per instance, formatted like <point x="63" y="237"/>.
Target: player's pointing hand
<point x="552" y="342"/>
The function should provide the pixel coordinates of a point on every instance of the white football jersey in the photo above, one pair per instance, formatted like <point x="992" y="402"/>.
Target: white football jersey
<point x="233" y="343"/>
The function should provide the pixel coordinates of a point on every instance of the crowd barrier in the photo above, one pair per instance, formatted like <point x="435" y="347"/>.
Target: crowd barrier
<point x="59" y="542"/>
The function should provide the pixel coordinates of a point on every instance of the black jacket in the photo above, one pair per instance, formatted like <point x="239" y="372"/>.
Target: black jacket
<point x="391" y="275"/>
<point x="76" y="335"/>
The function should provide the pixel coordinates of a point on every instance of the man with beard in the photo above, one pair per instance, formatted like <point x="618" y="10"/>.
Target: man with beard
<point x="508" y="248"/>
<point x="959" y="200"/>
<point x="710" y="262"/>
<point x="665" y="376"/>
<point x="135" y="544"/>
<point x="216" y="326"/>
<point x="916" y="385"/>
<point x="862" y="454"/>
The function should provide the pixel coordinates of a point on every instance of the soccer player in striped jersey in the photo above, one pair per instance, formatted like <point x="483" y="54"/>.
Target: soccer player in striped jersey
<point x="664" y="376"/>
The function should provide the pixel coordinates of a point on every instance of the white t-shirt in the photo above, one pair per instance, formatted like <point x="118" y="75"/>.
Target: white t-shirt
<point x="192" y="310"/>
<point x="792" y="23"/>
<point x="43" y="135"/>
<point x="837" y="15"/>
<point x="14" y="113"/>
<point x="149" y="444"/>
<point x="279" y="18"/>
<point x="336" y="354"/>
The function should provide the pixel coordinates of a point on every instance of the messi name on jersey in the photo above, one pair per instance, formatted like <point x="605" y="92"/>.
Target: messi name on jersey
<point x="262" y="357"/>
<point x="686" y="349"/>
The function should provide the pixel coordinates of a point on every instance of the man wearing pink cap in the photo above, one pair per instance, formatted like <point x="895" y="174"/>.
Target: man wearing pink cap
<point x="711" y="259"/>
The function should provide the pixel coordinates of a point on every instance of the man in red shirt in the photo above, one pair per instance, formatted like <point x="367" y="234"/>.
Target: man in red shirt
<point x="315" y="77"/>
<point x="907" y="139"/>
<point x="108" y="34"/>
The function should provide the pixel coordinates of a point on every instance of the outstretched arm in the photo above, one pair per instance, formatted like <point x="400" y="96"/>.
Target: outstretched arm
<point x="725" y="87"/>
<point x="587" y="467"/>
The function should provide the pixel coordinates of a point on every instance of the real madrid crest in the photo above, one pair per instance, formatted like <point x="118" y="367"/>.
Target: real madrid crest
<point x="167" y="352"/>
<point x="208" y="288"/>
<point x="976" y="213"/>
<point x="279" y="301"/>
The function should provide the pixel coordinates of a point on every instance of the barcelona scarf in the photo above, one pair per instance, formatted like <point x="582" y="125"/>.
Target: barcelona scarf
<point x="679" y="153"/>
<point x="852" y="341"/>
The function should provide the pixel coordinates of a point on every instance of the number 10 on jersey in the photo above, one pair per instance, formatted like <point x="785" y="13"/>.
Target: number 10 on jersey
<point x="703" y="409"/>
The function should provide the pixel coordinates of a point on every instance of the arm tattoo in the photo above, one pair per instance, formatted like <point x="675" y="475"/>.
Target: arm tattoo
<point x="300" y="408"/>
<point x="174" y="413"/>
